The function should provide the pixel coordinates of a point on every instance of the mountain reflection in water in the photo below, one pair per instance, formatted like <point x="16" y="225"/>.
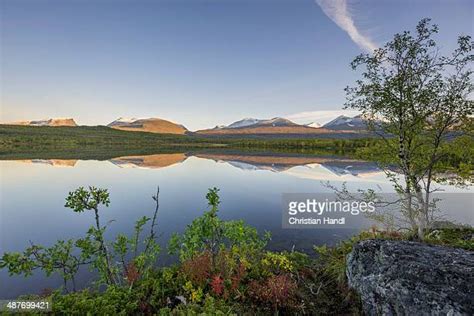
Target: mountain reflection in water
<point x="317" y="168"/>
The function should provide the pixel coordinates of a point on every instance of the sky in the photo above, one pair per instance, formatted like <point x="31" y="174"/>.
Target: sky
<point x="198" y="63"/>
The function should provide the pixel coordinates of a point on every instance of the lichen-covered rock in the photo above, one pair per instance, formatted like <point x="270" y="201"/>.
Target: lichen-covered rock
<point x="410" y="278"/>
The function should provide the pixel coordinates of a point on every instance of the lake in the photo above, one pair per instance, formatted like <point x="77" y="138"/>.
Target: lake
<point x="33" y="192"/>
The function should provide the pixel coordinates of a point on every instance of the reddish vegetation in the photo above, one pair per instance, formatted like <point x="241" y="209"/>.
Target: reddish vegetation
<point x="217" y="285"/>
<point x="277" y="290"/>
<point x="198" y="269"/>
<point x="224" y="277"/>
<point x="131" y="273"/>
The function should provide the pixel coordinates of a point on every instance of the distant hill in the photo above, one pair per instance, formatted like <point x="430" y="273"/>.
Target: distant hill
<point x="48" y="122"/>
<point x="153" y="125"/>
<point x="249" y="126"/>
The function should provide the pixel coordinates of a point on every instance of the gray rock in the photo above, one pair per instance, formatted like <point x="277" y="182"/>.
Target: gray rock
<point x="411" y="278"/>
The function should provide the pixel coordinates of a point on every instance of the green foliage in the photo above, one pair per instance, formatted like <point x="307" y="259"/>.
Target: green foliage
<point x="272" y="263"/>
<point x="57" y="258"/>
<point x="453" y="237"/>
<point x="209" y="233"/>
<point x="210" y="306"/>
<point x="108" y="260"/>
<point x="81" y="199"/>
<point x="332" y="260"/>
<point x="114" y="300"/>
<point x="311" y="145"/>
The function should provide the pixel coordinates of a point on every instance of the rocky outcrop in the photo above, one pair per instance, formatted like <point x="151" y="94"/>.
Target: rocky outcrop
<point x="410" y="278"/>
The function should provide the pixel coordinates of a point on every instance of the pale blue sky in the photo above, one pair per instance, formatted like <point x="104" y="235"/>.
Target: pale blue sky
<point x="199" y="63"/>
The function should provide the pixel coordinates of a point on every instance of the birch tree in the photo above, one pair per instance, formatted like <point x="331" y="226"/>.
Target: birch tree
<point x="418" y="101"/>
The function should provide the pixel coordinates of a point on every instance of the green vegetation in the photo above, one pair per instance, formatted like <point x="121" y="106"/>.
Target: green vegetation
<point x="460" y="237"/>
<point x="84" y="142"/>
<point x="336" y="146"/>
<point x="41" y="139"/>
<point x="223" y="268"/>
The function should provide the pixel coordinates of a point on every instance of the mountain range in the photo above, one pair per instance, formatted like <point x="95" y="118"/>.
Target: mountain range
<point x="279" y="125"/>
<point x="276" y="125"/>
<point x="246" y="126"/>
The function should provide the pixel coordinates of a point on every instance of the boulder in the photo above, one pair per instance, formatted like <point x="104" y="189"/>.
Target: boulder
<point x="411" y="278"/>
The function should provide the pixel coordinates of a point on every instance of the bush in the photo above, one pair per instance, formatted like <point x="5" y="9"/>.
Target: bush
<point x="208" y="233"/>
<point x="277" y="291"/>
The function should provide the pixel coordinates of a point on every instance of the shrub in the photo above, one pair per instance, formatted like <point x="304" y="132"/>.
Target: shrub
<point x="462" y="237"/>
<point x="208" y="233"/>
<point x="278" y="291"/>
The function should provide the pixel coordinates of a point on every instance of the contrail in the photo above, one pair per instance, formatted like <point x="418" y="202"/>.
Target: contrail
<point x="337" y="11"/>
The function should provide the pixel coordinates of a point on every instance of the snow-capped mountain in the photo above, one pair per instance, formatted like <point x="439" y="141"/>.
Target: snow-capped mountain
<point x="48" y="122"/>
<point x="320" y="117"/>
<point x="243" y="123"/>
<point x="253" y="122"/>
<point x="252" y="126"/>
<point x="343" y="122"/>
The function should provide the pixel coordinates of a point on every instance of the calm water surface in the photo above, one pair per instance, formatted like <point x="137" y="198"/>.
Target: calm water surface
<point x="32" y="194"/>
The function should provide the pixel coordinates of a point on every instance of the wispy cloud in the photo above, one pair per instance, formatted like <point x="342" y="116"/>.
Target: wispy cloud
<point x="338" y="12"/>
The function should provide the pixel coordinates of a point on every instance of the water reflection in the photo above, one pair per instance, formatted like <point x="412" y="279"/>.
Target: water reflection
<point x="32" y="196"/>
<point x="316" y="168"/>
<point x="150" y="161"/>
<point x="52" y="162"/>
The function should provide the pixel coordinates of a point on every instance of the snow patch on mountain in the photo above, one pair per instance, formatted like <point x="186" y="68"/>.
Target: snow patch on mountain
<point x="341" y="119"/>
<point x="248" y="121"/>
<point x="313" y="124"/>
<point x="123" y="120"/>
